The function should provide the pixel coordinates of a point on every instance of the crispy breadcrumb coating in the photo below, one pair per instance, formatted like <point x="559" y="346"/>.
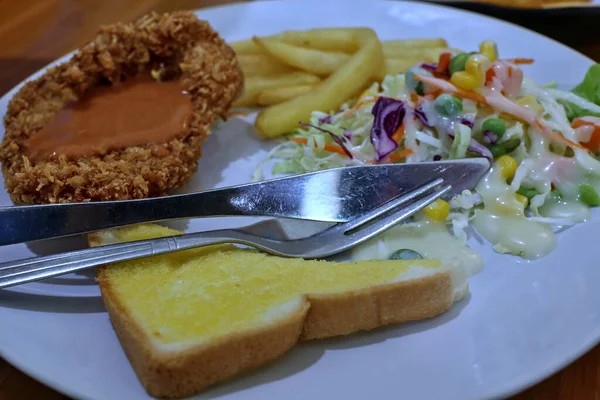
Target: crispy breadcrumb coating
<point x="170" y="43"/>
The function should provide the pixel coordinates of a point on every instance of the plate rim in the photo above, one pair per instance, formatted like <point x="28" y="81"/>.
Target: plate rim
<point x="541" y="10"/>
<point x="517" y="386"/>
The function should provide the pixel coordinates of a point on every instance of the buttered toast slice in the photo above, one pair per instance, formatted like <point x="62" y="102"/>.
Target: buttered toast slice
<point x="194" y="318"/>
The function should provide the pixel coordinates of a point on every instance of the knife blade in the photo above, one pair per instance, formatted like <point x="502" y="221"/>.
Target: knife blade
<point x="333" y="195"/>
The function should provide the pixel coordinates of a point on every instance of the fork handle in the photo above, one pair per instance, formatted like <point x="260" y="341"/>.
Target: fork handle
<point x="37" y="268"/>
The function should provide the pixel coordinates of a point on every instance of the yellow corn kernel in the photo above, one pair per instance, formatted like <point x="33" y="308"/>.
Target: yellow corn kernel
<point x="531" y="103"/>
<point x="438" y="210"/>
<point x="474" y="74"/>
<point x="478" y="63"/>
<point x="507" y="165"/>
<point x="489" y="49"/>
<point x="466" y="81"/>
<point x="522" y="200"/>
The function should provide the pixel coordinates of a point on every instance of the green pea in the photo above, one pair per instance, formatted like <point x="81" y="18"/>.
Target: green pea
<point x="458" y="62"/>
<point x="448" y="105"/>
<point x="420" y="89"/>
<point x="411" y="82"/>
<point x="529" y="193"/>
<point x="497" y="150"/>
<point x="494" y="125"/>
<point x="406" y="254"/>
<point x="588" y="195"/>
<point x="511" y="145"/>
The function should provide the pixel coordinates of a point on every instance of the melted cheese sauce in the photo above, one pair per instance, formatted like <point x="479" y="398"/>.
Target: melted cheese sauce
<point x="503" y="222"/>
<point x="431" y="239"/>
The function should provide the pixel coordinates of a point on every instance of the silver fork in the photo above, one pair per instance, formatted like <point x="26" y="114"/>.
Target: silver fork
<point x="333" y="240"/>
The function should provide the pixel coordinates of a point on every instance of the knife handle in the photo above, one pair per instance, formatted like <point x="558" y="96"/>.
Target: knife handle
<point x="284" y="198"/>
<point x="35" y="222"/>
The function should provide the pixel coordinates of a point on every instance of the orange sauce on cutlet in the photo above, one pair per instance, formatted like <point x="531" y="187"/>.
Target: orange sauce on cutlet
<point x="138" y="111"/>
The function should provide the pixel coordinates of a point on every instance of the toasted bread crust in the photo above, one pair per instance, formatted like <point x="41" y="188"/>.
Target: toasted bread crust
<point x="367" y="309"/>
<point x="209" y="73"/>
<point x="180" y="374"/>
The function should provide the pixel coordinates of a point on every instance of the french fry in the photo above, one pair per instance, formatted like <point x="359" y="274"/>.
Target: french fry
<point x="425" y="54"/>
<point x="314" y="61"/>
<point x="243" y="47"/>
<point x="415" y="43"/>
<point x="253" y="85"/>
<point x="262" y="65"/>
<point x="324" y="39"/>
<point x="365" y="65"/>
<point x="331" y="39"/>
<point x="269" y="97"/>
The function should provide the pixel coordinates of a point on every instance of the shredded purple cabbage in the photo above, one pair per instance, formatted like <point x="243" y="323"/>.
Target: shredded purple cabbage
<point x="388" y="114"/>
<point x="468" y="122"/>
<point x="477" y="148"/>
<point x="419" y="113"/>
<point x="437" y="157"/>
<point x="325" y="120"/>
<point x="335" y="138"/>
<point x="348" y="134"/>
<point x="489" y="137"/>
<point x="429" y="67"/>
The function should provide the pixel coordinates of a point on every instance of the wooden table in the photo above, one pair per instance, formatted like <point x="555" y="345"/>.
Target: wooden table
<point x="35" y="32"/>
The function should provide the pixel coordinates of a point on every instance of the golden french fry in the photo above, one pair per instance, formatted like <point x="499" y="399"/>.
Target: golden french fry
<point x="425" y="54"/>
<point x="415" y="43"/>
<point x="324" y="39"/>
<point x="262" y="65"/>
<point x="253" y="85"/>
<point x="365" y="65"/>
<point x="314" y="61"/>
<point x="246" y="46"/>
<point x="269" y="97"/>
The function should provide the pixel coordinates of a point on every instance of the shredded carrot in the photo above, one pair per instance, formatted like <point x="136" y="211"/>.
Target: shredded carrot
<point x="444" y="62"/>
<point x="490" y="74"/>
<point x="332" y="148"/>
<point x="449" y="87"/>
<point x="521" y="60"/>
<point x="594" y="143"/>
<point x="467" y="94"/>
<point x="399" y="155"/>
<point x="399" y="134"/>
<point x="555" y="136"/>
<point x="444" y="85"/>
<point x="414" y="96"/>
<point x="359" y="105"/>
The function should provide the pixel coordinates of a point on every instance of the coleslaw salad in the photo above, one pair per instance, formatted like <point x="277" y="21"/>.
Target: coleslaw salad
<point x="543" y="143"/>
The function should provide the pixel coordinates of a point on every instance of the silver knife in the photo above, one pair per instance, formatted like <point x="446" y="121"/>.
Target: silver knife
<point x="333" y="195"/>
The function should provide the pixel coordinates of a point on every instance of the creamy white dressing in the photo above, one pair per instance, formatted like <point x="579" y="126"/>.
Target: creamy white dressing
<point x="503" y="222"/>
<point x="431" y="239"/>
<point x="515" y="235"/>
<point x="567" y="210"/>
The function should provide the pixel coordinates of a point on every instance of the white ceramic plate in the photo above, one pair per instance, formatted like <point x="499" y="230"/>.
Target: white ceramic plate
<point x="522" y="321"/>
<point x="580" y="6"/>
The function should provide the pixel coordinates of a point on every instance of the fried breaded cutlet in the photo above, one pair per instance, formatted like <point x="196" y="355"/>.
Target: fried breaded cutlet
<point x="176" y="43"/>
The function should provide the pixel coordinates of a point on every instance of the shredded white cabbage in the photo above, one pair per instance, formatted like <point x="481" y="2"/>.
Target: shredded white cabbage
<point x="543" y="166"/>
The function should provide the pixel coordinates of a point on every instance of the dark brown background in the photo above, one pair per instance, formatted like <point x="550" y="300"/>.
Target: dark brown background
<point x="35" y="32"/>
